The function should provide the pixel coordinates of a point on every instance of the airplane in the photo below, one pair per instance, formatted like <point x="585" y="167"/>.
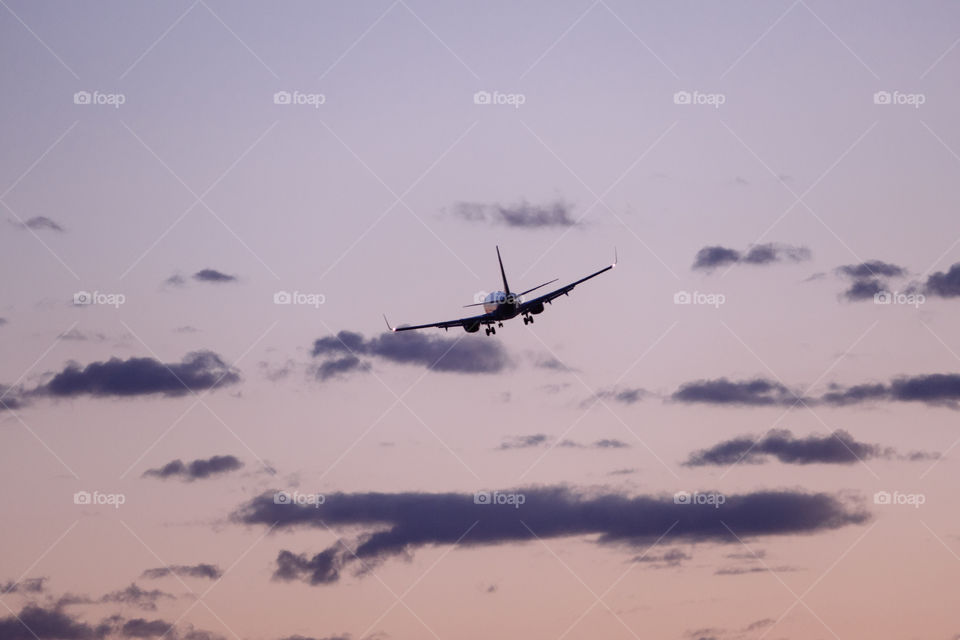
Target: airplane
<point x="504" y="305"/>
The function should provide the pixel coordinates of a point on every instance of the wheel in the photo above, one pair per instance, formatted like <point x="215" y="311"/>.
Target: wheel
<point x="499" y="324"/>
<point x="531" y="319"/>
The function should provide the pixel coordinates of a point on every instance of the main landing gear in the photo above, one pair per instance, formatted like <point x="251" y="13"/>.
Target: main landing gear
<point x="527" y="319"/>
<point x="491" y="330"/>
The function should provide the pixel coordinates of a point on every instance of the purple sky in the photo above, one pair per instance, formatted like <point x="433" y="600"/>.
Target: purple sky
<point x="169" y="172"/>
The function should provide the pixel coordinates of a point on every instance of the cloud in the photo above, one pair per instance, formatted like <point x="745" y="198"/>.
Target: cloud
<point x="36" y="622"/>
<point x="756" y="392"/>
<point x="671" y="558"/>
<point x="137" y="597"/>
<point x="865" y="289"/>
<point x="11" y="398"/>
<point x="341" y="353"/>
<point x="937" y="389"/>
<point x="711" y="257"/>
<point x="871" y="269"/>
<point x="522" y="215"/>
<point x="945" y="285"/>
<point x="629" y="395"/>
<point x="739" y="571"/>
<point x="196" y="470"/>
<point x="941" y="389"/>
<point x="540" y="439"/>
<point x="837" y="448"/>
<point x="399" y="523"/>
<point x="27" y="585"/>
<point x="197" y="371"/>
<point x="176" y="280"/>
<point x="38" y="223"/>
<point x="524" y="442"/>
<point x="212" y="275"/>
<point x="140" y="628"/>
<point x="201" y="570"/>
<point x="3" y="321"/>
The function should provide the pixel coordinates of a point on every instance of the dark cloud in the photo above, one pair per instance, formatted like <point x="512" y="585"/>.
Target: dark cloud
<point x="871" y="269"/>
<point x="756" y="392"/>
<point x="27" y="585"/>
<point x="212" y="275"/>
<point x="38" y="223"/>
<point x="836" y="448"/>
<point x="140" y="628"/>
<point x="945" y="285"/>
<point x="35" y="622"/>
<point x="11" y="398"/>
<point x="176" y="280"/>
<point x="865" y="289"/>
<point x="401" y="522"/>
<point x="715" y="256"/>
<point x="609" y="443"/>
<point x="934" y="389"/>
<point x="134" y="595"/>
<point x="524" y="442"/>
<point x="523" y="215"/>
<point x="196" y="470"/>
<point x="341" y="353"/>
<point x="201" y="570"/>
<point x="197" y="371"/>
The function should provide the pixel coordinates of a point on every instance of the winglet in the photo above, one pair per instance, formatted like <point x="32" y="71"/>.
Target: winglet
<point x="388" y="323"/>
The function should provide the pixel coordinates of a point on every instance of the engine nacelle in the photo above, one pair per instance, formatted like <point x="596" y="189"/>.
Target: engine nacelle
<point x="472" y="327"/>
<point x="535" y="309"/>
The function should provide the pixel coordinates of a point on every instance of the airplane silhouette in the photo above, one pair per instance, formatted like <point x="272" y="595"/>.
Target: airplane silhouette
<point x="504" y="305"/>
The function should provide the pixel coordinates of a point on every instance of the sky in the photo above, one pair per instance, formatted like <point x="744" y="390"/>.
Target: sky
<point x="745" y="430"/>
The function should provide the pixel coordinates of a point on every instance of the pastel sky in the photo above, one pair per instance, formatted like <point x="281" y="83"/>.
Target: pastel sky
<point x="746" y="430"/>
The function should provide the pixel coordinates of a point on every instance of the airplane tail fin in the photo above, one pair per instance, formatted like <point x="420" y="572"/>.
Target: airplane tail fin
<point x="503" y="274"/>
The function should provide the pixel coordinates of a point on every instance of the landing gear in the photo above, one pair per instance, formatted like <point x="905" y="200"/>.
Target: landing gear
<point x="491" y="330"/>
<point x="499" y="324"/>
<point x="527" y="319"/>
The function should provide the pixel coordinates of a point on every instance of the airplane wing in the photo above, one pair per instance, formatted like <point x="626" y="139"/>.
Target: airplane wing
<point x="462" y="322"/>
<point x="564" y="290"/>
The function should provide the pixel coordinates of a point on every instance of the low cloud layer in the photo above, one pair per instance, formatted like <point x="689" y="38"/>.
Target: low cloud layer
<point x="212" y="275"/>
<point x="198" y="371"/>
<point x="195" y="470"/>
<point x="758" y="392"/>
<point x="541" y="439"/>
<point x="522" y="215"/>
<point x="944" y="284"/>
<point x="38" y="223"/>
<point x="711" y="257"/>
<point x="401" y="522"/>
<point x="838" y="447"/>
<point x="341" y="354"/>
<point x="869" y="278"/>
